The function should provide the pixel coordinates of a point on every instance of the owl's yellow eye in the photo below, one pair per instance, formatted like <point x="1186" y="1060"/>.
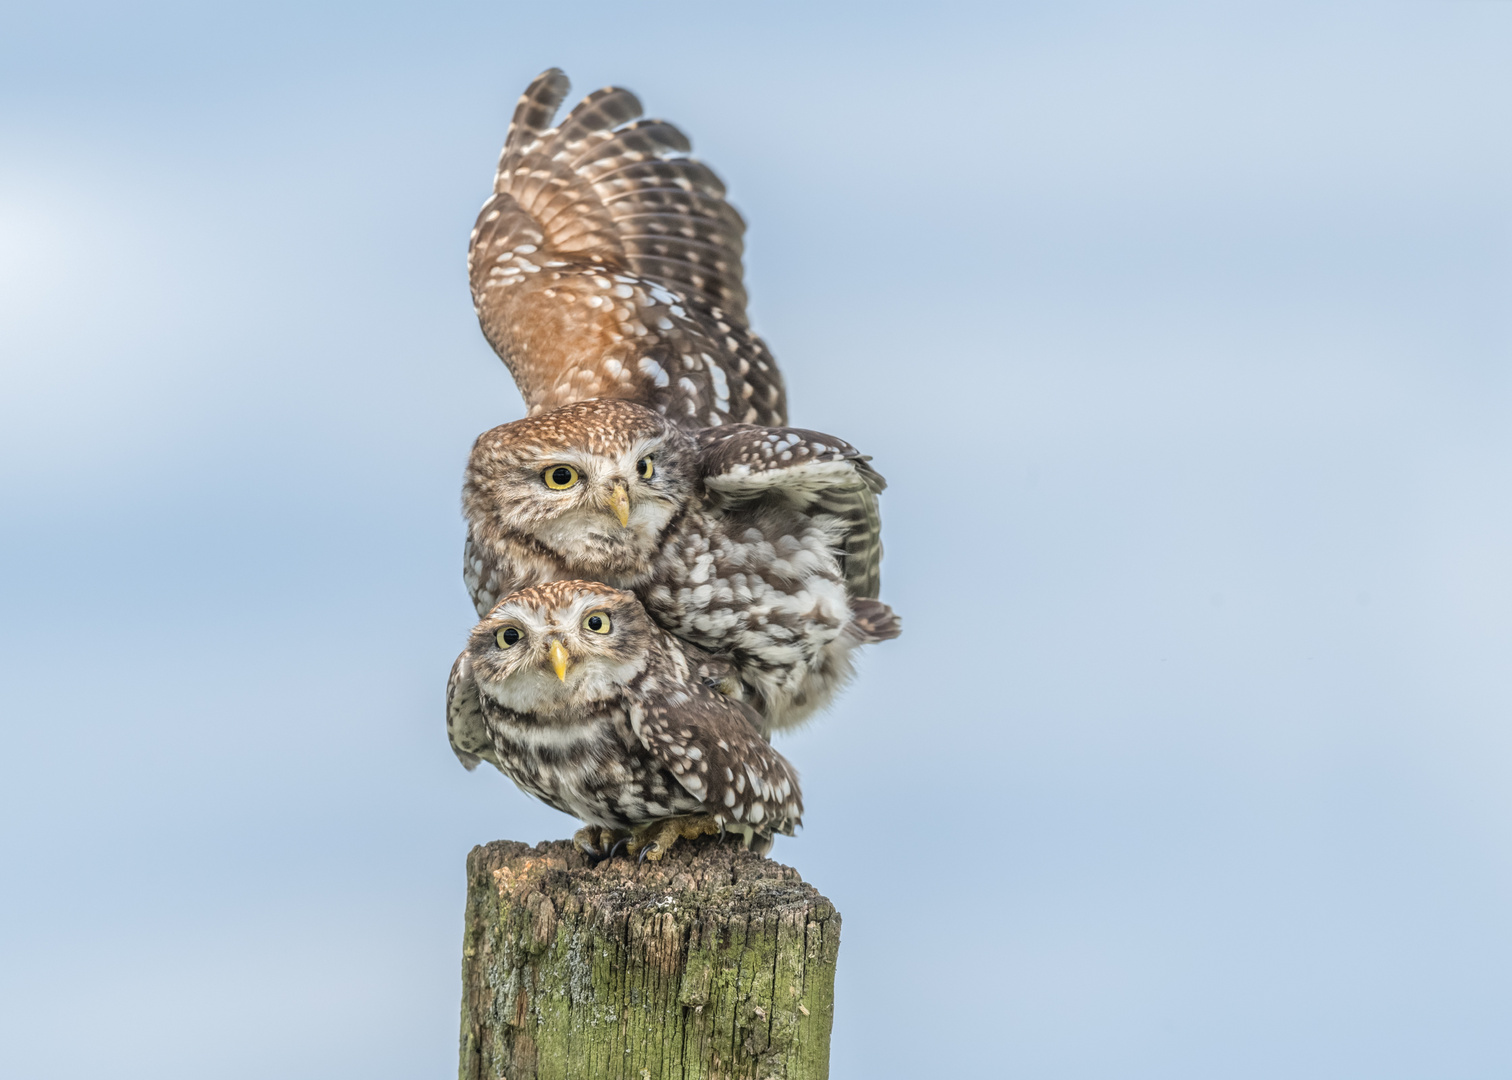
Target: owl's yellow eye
<point x="597" y="621"/>
<point x="507" y="637"/>
<point x="645" y="468"/>
<point x="560" y="477"/>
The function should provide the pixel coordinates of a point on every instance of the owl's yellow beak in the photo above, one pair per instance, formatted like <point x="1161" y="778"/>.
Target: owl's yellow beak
<point x="559" y="659"/>
<point x="619" y="502"/>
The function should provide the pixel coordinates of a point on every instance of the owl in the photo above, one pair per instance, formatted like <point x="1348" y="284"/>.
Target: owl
<point x="573" y="692"/>
<point x="756" y="544"/>
<point x="606" y="272"/>
<point x="607" y="264"/>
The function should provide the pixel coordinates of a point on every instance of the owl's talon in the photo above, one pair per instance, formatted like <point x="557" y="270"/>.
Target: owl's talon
<point x="656" y="840"/>
<point x="587" y="840"/>
<point x="598" y="843"/>
<point x="623" y="842"/>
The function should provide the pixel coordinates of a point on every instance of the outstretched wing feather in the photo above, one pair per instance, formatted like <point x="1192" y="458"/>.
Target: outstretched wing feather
<point x="686" y="174"/>
<point x="818" y="473"/>
<point x="604" y="201"/>
<point x="603" y="110"/>
<point x="537" y="105"/>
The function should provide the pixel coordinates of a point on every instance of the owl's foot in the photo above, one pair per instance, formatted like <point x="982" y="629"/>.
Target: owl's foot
<point x="749" y="838"/>
<point x="595" y="842"/>
<point x="656" y="840"/>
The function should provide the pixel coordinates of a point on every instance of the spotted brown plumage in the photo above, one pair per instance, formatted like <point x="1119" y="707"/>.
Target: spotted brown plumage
<point x="813" y="473"/>
<point x="607" y="264"/>
<point x="576" y="695"/>
<point x="759" y="545"/>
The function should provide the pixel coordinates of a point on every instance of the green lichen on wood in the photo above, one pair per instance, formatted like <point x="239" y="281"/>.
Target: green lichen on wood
<point x="713" y="963"/>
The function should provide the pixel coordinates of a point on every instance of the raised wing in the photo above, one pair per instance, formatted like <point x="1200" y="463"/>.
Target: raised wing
<point x="465" y="726"/>
<point x="607" y="263"/>
<point x="710" y="744"/>
<point x="809" y="471"/>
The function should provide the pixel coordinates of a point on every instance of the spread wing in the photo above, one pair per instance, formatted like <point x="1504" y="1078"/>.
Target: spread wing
<point x="807" y="470"/>
<point x="607" y="263"/>
<point x="710" y="744"/>
<point x="465" y="726"/>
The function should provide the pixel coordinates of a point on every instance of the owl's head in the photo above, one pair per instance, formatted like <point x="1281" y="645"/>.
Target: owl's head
<point x="594" y="483"/>
<point x="561" y="646"/>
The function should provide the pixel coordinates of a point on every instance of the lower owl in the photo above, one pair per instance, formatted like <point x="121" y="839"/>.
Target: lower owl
<point x="572" y="692"/>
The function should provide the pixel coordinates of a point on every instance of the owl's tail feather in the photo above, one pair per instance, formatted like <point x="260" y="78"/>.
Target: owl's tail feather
<point x="872" y="620"/>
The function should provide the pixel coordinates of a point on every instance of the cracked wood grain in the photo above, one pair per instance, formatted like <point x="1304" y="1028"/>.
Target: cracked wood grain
<point x="714" y="963"/>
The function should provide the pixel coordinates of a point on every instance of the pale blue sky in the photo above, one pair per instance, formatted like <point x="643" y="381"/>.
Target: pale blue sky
<point x="1182" y="334"/>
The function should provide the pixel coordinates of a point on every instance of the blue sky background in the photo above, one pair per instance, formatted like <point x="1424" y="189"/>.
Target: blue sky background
<point x="1182" y="334"/>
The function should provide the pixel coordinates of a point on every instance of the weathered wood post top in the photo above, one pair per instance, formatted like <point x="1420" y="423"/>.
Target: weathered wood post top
<point x="714" y="962"/>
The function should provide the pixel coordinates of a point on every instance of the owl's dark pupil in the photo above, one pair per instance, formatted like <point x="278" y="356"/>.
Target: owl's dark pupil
<point x="641" y="465"/>
<point x="561" y="476"/>
<point x="595" y="623"/>
<point x="511" y="636"/>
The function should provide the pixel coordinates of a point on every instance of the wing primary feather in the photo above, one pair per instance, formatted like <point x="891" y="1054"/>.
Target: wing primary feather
<point x="601" y="110"/>
<point x="537" y="105"/>
<point x="606" y="201"/>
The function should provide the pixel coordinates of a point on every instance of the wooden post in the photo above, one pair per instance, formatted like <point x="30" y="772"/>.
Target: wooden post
<point x="712" y="963"/>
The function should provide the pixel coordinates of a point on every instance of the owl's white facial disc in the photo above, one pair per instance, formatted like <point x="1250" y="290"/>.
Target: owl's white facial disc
<point x="586" y="532"/>
<point x="596" y="498"/>
<point x="521" y="675"/>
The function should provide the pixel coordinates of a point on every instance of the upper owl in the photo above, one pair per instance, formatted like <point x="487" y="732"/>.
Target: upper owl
<point x="607" y="264"/>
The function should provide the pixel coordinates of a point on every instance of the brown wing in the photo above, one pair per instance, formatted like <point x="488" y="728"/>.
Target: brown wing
<point x="465" y="726"/>
<point x="710" y="744"/>
<point x="745" y="465"/>
<point x="607" y="263"/>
